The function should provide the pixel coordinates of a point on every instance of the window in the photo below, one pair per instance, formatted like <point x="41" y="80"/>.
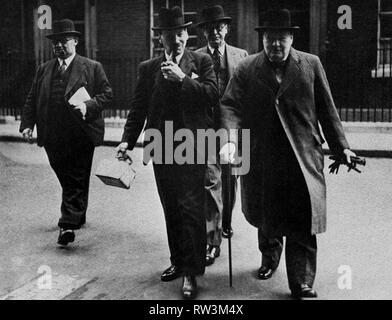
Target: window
<point x="190" y="14"/>
<point x="384" y="36"/>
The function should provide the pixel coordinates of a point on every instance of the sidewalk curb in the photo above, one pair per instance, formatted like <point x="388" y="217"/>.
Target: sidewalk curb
<point x="107" y="143"/>
<point x="113" y="143"/>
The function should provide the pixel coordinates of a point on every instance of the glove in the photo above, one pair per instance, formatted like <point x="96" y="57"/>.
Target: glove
<point x="339" y="160"/>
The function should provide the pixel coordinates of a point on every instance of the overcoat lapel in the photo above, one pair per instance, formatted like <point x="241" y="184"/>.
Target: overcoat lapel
<point x="47" y="80"/>
<point x="265" y="73"/>
<point x="76" y="72"/>
<point x="232" y="59"/>
<point x="292" y="71"/>
<point x="186" y="63"/>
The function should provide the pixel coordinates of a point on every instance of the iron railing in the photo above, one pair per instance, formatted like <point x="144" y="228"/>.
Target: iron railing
<point x="362" y="87"/>
<point x="360" y="83"/>
<point x="16" y="76"/>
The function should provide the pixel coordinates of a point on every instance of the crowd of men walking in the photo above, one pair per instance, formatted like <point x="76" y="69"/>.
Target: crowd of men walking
<point x="280" y="94"/>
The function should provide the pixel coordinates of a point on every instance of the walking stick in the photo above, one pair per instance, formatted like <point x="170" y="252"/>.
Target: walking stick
<point x="226" y="220"/>
<point x="228" y="227"/>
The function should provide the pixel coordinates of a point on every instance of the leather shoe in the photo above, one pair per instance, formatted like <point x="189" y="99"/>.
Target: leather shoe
<point x="189" y="287"/>
<point x="265" y="272"/>
<point x="304" y="291"/>
<point x="212" y="253"/>
<point x="171" y="273"/>
<point x="227" y="233"/>
<point x="65" y="237"/>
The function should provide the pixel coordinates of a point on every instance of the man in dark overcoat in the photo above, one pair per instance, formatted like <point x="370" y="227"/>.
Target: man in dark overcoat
<point x="221" y="187"/>
<point x="282" y="95"/>
<point x="176" y="89"/>
<point x="69" y="133"/>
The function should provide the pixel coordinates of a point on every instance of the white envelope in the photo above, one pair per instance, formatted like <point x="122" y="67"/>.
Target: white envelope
<point x="81" y="95"/>
<point x="194" y="76"/>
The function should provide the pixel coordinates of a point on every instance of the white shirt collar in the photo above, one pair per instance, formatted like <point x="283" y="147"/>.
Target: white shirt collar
<point x="221" y="49"/>
<point x="169" y="57"/>
<point x="67" y="61"/>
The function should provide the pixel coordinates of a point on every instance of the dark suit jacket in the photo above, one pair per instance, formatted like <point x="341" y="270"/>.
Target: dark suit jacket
<point x="195" y="97"/>
<point x="84" y="73"/>
<point x="302" y="101"/>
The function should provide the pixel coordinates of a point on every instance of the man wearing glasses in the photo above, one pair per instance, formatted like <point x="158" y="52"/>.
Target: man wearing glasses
<point x="220" y="185"/>
<point x="68" y="129"/>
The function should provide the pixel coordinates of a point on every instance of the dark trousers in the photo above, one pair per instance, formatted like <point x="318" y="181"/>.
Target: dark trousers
<point x="181" y="190"/>
<point x="301" y="256"/>
<point x="214" y="205"/>
<point x="72" y="165"/>
<point x="229" y="189"/>
<point x="221" y="188"/>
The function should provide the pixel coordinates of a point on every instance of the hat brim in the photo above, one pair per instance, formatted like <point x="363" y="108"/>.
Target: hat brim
<point x="263" y="28"/>
<point x="173" y="27"/>
<point x="224" y="19"/>
<point x="64" y="34"/>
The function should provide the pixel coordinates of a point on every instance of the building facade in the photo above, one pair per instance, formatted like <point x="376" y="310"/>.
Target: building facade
<point x="118" y="33"/>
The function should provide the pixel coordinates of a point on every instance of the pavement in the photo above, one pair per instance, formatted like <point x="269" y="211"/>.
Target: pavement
<point x="367" y="139"/>
<point x="122" y="250"/>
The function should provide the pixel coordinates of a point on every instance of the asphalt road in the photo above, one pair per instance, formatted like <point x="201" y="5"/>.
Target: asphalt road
<point x="122" y="251"/>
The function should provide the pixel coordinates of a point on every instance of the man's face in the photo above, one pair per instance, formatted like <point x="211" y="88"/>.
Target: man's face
<point x="215" y="33"/>
<point x="64" y="47"/>
<point x="174" y="40"/>
<point x="277" y="44"/>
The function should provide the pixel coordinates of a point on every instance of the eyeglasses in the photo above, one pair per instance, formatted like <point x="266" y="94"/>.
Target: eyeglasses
<point x="217" y="27"/>
<point x="62" y="41"/>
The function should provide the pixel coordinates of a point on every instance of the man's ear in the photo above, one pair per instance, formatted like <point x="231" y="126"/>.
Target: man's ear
<point x="76" y="41"/>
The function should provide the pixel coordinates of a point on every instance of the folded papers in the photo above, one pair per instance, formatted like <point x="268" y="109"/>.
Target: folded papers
<point x="81" y="95"/>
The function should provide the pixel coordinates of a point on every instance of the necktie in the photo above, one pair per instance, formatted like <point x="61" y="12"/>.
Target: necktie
<point x="174" y="59"/>
<point x="62" y="68"/>
<point x="217" y="61"/>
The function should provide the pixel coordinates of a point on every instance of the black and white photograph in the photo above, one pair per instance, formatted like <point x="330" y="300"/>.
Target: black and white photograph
<point x="195" y="156"/>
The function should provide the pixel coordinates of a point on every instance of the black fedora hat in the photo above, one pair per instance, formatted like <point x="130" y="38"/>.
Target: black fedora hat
<point x="63" y="28"/>
<point x="213" y="14"/>
<point x="277" y="20"/>
<point x="170" y="19"/>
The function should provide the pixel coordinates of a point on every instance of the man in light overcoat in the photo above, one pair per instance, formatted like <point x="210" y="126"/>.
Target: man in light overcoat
<point x="221" y="186"/>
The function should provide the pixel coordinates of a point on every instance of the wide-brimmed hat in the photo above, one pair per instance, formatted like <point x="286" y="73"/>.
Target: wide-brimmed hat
<point x="170" y="19"/>
<point x="277" y="20"/>
<point x="213" y="14"/>
<point x="63" y="28"/>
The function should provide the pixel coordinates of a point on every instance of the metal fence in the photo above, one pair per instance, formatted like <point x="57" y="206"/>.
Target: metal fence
<point x="362" y="88"/>
<point x="362" y="91"/>
<point x="122" y="74"/>
<point x="16" y="76"/>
